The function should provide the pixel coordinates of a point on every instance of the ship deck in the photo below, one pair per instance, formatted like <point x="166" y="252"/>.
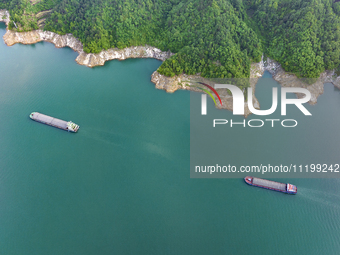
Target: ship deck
<point x="269" y="184"/>
<point x="50" y="120"/>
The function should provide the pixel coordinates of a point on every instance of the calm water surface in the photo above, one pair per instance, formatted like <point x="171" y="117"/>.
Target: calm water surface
<point x="121" y="184"/>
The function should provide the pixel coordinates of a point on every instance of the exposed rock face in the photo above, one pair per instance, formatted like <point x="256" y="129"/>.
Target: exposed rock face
<point x="291" y="80"/>
<point x="184" y="81"/>
<point x="170" y="84"/>
<point x="90" y="59"/>
<point x="130" y="52"/>
<point x="35" y="36"/>
<point x="4" y="16"/>
<point x="336" y="82"/>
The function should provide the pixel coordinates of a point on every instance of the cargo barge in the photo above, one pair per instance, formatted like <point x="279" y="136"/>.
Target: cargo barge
<point x="267" y="184"/>
<point x="62" y="124"/>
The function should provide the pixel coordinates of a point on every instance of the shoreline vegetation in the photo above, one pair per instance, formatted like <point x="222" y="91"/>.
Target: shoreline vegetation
<point x="180" y="81"/>
<point x="87" y="59"/>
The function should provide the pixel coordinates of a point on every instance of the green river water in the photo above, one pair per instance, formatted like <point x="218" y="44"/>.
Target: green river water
<point x="121" y="185"/>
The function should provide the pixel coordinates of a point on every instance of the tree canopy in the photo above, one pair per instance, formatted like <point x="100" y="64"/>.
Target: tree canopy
<point x="216" y="38"/>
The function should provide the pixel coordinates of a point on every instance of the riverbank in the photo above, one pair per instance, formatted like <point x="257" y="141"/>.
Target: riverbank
<point x="68" y="40"/>
<point x="285" y="79"/>
<point x="86" y="59"/>
<point x="169" y="84"/>
<point x="291" y="80"/>
<point x="184" y="81"/>
<point x="256" y="71"/>
<point x="4" y="16"/>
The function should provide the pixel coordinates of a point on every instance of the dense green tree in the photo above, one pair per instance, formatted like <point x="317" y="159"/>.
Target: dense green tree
<point x="303" y="35"/>
<point x="216" y="38"/>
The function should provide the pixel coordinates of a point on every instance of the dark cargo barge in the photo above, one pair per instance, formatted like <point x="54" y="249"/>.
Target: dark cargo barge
<point x="62" y="124"/>
<point x="267" y="184"/>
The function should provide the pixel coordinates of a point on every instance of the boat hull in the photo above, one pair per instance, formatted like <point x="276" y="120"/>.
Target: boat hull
<point x="50" y="121"/>
<point x="271" y="185"/>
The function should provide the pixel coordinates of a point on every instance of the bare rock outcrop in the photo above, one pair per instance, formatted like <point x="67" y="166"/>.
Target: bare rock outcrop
<point x="121" y="54"/>
<point x="291" y="80"/>
<point x="170" y="84"/>
<point x="35" y="36"/>
<point x="4" y="16"/>
<point x="187" y="82"/>
<point x="87" y="59"/>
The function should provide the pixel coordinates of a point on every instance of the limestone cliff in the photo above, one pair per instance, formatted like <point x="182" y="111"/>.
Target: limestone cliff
<point x="83" y="58"/>
<point x="291" y="80"/>
<point x="35" y="36"/>
<point x="170" y="84"/>
<point x="68" y="40"/>
<point x="4" y="16"/>
<point x="184" y="81"/>
<point x="121" y="54"/>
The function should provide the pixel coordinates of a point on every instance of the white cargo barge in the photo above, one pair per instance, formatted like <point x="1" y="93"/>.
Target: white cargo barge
<point x="267" y="184"/>
<point x="62" y="124"/>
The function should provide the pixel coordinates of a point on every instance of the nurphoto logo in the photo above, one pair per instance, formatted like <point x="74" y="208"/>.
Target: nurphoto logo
<point x="239" y="103"/>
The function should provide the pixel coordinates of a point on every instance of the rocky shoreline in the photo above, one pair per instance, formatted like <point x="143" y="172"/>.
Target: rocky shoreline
<point x="4" y="16"/>
<point x="169" y="84"/>
<point x="285" y="79"/>
<point x="184" y="81"/>
<point x="86" y="59"/>
<point x="68" y="40"/>
<point x="291" y="80"/>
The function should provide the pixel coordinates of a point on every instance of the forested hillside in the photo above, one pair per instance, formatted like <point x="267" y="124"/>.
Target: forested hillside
<point x="217" y="38"/>
<point x="303" y="35"/>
